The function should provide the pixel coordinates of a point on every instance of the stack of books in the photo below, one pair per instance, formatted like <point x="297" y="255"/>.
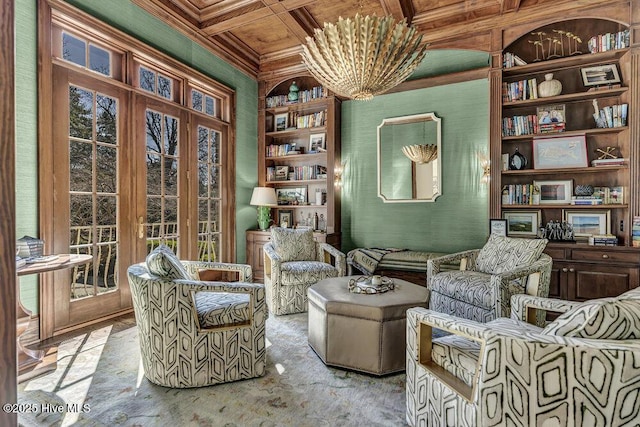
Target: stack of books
<point x="586" y="200"/>
<point x="609" y="162"/>
<point x="635" y="232"/>
<point x="603" y="240"/>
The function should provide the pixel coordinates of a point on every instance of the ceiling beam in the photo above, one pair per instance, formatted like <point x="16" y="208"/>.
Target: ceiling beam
<point x="509" y="6"/>
<point x="399" y="9"/>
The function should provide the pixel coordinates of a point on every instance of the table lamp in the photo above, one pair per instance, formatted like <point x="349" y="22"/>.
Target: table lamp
<point x="264" y="198"/>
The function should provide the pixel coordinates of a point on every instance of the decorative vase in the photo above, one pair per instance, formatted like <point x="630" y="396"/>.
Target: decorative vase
<point x="583" y="190"/>
<point x="549" y="87"/>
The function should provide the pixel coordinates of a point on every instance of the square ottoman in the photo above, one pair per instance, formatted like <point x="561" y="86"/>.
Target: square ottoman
<point x="363" y="332"/>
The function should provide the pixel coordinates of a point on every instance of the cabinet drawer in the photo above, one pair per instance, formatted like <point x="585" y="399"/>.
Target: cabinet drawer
<point x="555" y="253"/>
<point x="605" y="256"/>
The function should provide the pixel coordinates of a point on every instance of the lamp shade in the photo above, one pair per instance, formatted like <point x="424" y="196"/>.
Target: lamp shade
<point x="263" y="196"/>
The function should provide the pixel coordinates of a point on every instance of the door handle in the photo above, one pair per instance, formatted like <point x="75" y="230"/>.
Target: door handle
<point x="140" y="227"/>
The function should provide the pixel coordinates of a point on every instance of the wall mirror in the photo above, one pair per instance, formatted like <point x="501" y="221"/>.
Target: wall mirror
<point x="400" y="179"/>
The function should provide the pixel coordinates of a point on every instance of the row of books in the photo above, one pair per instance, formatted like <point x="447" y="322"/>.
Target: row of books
<point x="520" y="194"/>
<point x="511" y="60"/>
<point x="586" y="201"/>
<point x="603" y="240"/>
<point x="275" y="150"/>
<point x="520" y="125"/>
<point x="303" y="96"/>
<point x="613" y="116"/>
<point x="298" y="173"/>
<point x="310" y="120"/>
<point x="609" y="41"/>
<point x="609" y="162"/>
<point x="635" y="232"/>
<point x="520" y="90"/>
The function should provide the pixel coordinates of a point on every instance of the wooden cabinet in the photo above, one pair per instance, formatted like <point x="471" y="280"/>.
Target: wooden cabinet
<point x="299" y="153"/>
<point x="580" y="271"/>
<point x="255" y="241"/>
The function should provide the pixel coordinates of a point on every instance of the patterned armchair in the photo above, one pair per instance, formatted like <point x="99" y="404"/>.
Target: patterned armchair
<point x="293" y="261"/>
<point x="481" y="289"/>
<point x="581" y="369"/>
<point x="195" y="333"/>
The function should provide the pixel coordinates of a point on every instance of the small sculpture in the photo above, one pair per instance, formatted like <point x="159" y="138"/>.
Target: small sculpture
<point x="293" y="92"/>
<point x="557" y="231"/>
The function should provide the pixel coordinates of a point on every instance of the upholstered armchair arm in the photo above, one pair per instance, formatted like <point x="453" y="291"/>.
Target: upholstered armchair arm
<point x="272" y="261"/>
<point x="201" y="286"/>
<point x="522" y="305"/>
<point x="448" y="322"/>
<point x="326" y="252"/>
<point x="467" y="260"/>
<point x="244" y="270"/>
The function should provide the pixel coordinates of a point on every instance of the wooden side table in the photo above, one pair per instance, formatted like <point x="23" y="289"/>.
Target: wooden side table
<point x="36" y="362"/>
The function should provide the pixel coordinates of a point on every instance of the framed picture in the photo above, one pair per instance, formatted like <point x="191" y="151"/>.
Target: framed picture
<point x="291" y="196"/>
<point x="560" y="152"/>
<point x="281" y="173"/>
<point x="523" y="223"/>
<point x="551" y="118"/>
<point x="285" y="218"/>
<point x="317" y="142"/>
<point x="588" y="222"/>
<point x="555" y="192"/>
<point x="281" y="122"/>
<point x="599" y="75"/>
<point x="498" y="227"/>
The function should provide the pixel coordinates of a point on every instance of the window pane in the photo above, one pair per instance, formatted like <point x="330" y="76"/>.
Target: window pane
<point x="99" y="60"/>
<point x="147" y="80"/>
<point x="154" y="217"/>
<point x="203" y="144"/>
<point x="203" y="215"/>
<point x="209" y="105"/>
<point x="164" y="87"/>
<point x="107" y="168"/>
<point x="81" y="210"/>
<point x="214" y="206"/>
<point x="107" y="264"/>
<point x="170" y="136"/>
<point x="215" y="181"/>
<point x="171" y="212"/>
<point x="80" y="166"/>
<point x="203" y="180"/>
<point x="80" y="113"/>
<point x="106" y="210"/>
<point x="154" y="132"/>
<point x="74" y="49"/>
<point x="215" y="147"/>
<point x="154" y="175"/>
<point x="106" y="110"/>
<point x="171" y="177"/>
<point x="196" y="100"/>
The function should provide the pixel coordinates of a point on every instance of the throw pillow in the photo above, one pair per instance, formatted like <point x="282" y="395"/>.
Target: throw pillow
<point x="163" y="262"/>
<point x="605" y="318"/>
<point x="502" y="253"/>
<point x="293" y="245"/>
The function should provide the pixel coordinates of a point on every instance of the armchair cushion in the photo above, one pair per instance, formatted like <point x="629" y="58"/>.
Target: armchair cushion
<point x="502" y="254"/>
<point x="605" y="318"/>
<point x="293" y="245"/>
<point x="297" y="272"/>
<point x="222" y="308"/>
<point x="163" y="262"/>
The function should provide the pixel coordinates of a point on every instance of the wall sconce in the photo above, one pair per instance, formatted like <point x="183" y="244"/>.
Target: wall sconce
<point x="485" y="164"/>
<point x="337" y="177"/>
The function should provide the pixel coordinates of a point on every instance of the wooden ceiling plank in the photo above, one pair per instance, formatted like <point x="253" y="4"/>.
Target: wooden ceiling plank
<point x="399" y="9"/>
<point x="225" y="7"/>
<point x="452" y="10"/>
<point x="510" y="6"/>
<point x="220" y="26"/>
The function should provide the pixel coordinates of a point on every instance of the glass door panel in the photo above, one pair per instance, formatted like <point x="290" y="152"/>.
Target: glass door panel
<point x="209" y="191"/>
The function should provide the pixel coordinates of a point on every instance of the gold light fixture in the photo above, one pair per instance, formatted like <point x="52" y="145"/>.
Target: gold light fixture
<point x="364" y="56"/>
<point x="421" y="153"/>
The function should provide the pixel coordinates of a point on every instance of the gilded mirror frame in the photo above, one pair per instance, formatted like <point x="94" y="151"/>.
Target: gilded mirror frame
<point x="435" y="165"/>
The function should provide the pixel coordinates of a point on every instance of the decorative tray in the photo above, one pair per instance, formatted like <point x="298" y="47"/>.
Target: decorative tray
<point x="364" y="285"/>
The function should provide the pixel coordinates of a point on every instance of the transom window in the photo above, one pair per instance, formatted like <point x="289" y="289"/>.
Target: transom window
<point x="85" y="54"/>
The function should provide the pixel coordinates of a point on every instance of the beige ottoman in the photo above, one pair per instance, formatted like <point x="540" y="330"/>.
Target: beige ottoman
<point x="363" y="332"/>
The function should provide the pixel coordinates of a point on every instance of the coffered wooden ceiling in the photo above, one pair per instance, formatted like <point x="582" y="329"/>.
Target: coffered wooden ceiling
<point x="263" y="37"/>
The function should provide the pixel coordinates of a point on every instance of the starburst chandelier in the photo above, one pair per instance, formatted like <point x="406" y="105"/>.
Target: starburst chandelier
<point x="364" y="56"/>
<point x="421" y="153"/>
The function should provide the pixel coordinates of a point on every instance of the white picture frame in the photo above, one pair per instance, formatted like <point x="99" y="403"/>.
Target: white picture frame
<point x="317" y="142"/>
<point x="587" y="222"/>
<point x="280" y="122"/>
<point x="555" y="192"/>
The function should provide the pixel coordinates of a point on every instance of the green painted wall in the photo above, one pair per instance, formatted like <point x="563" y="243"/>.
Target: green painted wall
<point x="458" y="219"/>
<point x="129" y="18"/>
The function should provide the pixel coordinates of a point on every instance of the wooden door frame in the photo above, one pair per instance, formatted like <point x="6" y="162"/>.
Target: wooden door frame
<point x="8" y="295"/>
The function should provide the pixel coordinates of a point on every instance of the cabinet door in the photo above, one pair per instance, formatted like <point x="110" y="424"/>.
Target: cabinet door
<point x="598" y="281"/>
<point x="557" y="287"/>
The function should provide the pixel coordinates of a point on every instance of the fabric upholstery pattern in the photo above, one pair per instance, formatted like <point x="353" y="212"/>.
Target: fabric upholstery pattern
<point x="222" y="308"/>
<point x="606" y="318"/>
<point x="292" y="244"/>
<point x="164" y="263"/>
<point x="501" y="254"/>
<point x="481" y="296"/>
<point x="287" y="282"/>
<point x="176" y="349"/>
<point x="521" y="377"/>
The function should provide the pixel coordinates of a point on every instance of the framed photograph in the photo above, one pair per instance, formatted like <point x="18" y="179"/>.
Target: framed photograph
<point x="498" y="227"/>
<point x="600" y="75"/>
<point x="281" y="173"/>
<point x="586" y="222"/>
<point x="291" y="196"/>
<point x="523" y="223"/>
<point x="560" y="152"/>
<point x="285" y="218"/>
<point x="317" y="142"/>
<point x="555" y="192"/>
<point x="280" y="121"/>
<point x="551" y="118"/>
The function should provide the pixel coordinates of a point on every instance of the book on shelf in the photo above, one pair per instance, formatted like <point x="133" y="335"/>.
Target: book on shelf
<point x="609" y="162"/>
<point x="635" y="232"/>
<point x="520" y="90"/>
<point x="609" y="41"/>
<point x="614" y="195"/>
<point x="603" y="240"/>
<point x="511" y="60"/>
<point x="586" y="200"/>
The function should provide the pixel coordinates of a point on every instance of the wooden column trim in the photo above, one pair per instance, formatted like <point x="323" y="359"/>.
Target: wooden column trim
<point x="8" y="296"/>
